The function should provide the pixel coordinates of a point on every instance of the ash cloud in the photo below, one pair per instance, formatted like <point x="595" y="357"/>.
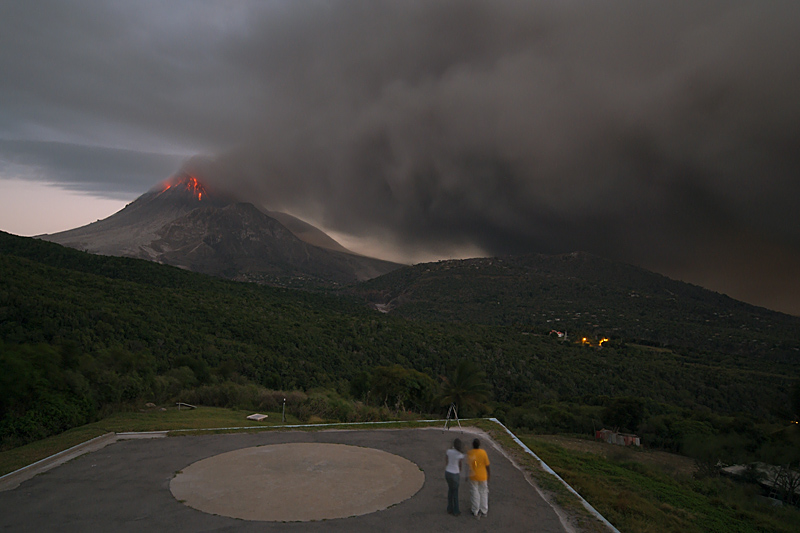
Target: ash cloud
<point x="662" y="134"/>
<point x="648" y="133"/>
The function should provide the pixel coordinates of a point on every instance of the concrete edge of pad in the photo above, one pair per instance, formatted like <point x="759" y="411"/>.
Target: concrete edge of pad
<point x="131" y="435"/>
<point x="564" y="521"/>
<point x="13" y="479"/>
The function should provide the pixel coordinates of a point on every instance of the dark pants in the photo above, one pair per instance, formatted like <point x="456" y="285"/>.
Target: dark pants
<point x="452" y="492"/>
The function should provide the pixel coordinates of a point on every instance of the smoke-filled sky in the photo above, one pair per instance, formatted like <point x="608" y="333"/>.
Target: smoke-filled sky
<point x="664" y="134"/>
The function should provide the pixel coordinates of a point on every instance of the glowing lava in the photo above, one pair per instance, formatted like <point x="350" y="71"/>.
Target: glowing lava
<point x="188" y="183"/>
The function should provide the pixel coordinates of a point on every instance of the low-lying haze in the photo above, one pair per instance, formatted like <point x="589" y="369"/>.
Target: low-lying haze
<point x="663" y="134"/>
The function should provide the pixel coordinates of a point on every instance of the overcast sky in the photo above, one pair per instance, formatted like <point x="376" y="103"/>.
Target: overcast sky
<point x="664" y="134"/>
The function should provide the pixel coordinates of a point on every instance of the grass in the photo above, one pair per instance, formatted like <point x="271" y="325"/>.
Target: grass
<point x="637" y="497"/>
<point x="172" y="419"/>
<point x="16" y="458"/>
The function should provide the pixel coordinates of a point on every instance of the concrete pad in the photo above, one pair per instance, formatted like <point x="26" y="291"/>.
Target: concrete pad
<point x="297" y="482"/>
<point x="126" y="487"/>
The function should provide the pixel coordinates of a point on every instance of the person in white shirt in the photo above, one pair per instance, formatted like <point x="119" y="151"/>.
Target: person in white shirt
<point x="452" y="473"/>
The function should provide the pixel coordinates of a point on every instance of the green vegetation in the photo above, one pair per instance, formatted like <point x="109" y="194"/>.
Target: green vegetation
<point x="637" y="497"/>
<point x="466" y="388"/>
<point x="171" y="419"/>
<point x="585" y="295"/>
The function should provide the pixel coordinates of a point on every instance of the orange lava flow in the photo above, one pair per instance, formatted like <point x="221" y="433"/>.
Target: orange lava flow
<point x="189" y="183"/>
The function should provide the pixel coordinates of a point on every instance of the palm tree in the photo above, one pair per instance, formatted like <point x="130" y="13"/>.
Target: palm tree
<point x="467" y="388"/>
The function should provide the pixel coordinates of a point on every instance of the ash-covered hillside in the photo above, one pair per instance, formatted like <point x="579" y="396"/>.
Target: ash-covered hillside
<point x="183" y="223"/>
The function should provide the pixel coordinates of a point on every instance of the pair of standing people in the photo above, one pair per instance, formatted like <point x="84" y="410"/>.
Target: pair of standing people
<point x="479" y="474"/>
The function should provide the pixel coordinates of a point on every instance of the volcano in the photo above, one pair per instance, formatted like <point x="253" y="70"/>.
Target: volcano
<point x="184" y="223"/>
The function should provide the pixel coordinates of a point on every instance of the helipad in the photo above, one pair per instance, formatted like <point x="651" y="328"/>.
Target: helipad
<point x="344" y="481"/>
<point x="297" y="482"/>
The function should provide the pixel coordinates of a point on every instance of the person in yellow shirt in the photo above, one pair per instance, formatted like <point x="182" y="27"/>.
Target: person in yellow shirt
<point x="479" y="479"/>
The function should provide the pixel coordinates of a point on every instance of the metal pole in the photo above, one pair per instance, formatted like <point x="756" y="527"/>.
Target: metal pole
<point x="452" y="410"/>
<point x="283" y="414"/>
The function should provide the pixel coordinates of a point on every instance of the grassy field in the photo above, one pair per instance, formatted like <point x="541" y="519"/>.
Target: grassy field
<point x="669" y="463"/>
<point x="638" y="491"/>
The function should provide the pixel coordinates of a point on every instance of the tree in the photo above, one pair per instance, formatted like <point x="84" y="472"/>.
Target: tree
<point x="625" y="413"/>
<point x="403" y="388"/>
<point x="466" y="388"/>
<point x="359" y="386"/>
<point x="787" y="480"/>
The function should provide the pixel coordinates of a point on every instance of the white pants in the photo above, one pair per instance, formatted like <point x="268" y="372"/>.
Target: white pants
<point x="479" y="495"/>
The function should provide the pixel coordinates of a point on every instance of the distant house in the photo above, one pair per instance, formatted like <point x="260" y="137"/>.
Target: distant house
<point x="615" y="437"/>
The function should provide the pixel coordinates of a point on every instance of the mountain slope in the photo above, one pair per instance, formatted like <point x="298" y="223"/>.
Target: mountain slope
<point x="184" y="224"/>
<point x="240" y="242"/>
<point x="307" y="233"/>
<point x="128" y="232"/>
<point x="586" y="295"/>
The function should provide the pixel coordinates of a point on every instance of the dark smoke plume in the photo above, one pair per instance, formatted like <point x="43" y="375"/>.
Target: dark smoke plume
<point x="662" y="134"/>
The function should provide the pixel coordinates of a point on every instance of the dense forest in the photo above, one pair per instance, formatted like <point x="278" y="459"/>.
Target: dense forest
<point x="83" y="335"/>
<point x="584" y="295"/>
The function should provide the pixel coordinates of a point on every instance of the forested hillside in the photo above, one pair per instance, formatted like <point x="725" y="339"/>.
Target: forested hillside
<point x="82" y="334"/>
<point x="584" y="295"/>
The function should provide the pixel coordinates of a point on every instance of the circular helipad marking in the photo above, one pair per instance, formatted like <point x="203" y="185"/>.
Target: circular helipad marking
<point x="297" y="482"/>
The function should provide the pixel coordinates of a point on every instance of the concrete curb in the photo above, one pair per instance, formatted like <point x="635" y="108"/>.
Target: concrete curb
<point x="13" y="479"/>
<point x="129" y="435"/>
<point x="295" y="426"/>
